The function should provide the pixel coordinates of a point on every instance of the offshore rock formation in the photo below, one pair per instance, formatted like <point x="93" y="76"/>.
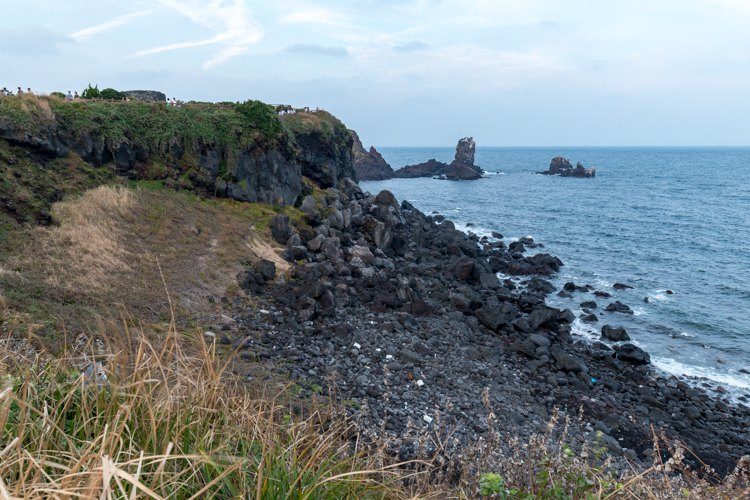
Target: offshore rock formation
<point x="562" y="167"/>
<point x="430" y="168"/>
<point x="369" y="165"/>
<point x="462" y="167"/>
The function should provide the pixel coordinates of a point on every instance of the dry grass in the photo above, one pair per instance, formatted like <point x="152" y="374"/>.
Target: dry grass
<point x="110" y="247"/>
<point x="88" y="249"/>
<point x="169" y="422"/>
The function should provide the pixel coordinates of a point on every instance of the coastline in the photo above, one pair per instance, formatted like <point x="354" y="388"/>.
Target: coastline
<point x="395" y="314"/>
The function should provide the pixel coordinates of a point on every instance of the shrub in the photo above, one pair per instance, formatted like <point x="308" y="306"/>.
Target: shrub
<point x="61" y="95"/>
<point x="112" y="94"/>
<point x="90" y="92"/>
<point x="261" y="116"/>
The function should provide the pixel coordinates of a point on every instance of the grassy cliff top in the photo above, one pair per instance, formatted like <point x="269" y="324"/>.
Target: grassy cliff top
<point x="153" y="125"/>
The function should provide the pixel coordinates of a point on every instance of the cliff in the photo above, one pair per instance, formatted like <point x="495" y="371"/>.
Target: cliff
<point x="369" y="165"/>
<point x="242" y="151"/>
<point x="324" y="147"/>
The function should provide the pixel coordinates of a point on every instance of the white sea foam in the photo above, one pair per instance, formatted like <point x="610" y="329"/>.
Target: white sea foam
<point x="736" y="381"/>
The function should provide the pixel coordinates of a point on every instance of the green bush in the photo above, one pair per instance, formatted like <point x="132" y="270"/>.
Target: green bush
<point x="90" y="92"/>
<point x="112" y="94"/>
<point x="261" y="116"/>
<point x="61" y="95"/>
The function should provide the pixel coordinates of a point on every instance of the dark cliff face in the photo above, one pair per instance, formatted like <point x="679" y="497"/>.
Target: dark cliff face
<point x="247" y="159"/>
<point x="369" y="165"/>
<point x="323" y="147"/>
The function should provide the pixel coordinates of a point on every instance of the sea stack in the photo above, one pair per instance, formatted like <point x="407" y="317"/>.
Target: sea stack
<point x="369" y="165"/>
<point x="462" y="168"/>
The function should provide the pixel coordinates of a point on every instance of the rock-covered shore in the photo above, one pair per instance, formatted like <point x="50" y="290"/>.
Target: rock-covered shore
<point x="403" y="318"/>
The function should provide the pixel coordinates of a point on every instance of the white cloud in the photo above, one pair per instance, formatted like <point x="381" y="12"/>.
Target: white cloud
<point x="107" y="26"/>
<point x="235" y="28"/>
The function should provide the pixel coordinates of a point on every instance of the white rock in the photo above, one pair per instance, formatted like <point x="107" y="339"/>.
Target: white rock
<point x="427" y="419"/>
<point x="357" y="346"/>
<point x="209" y="334"/>
<point x="389" y="357"/>
<point x="420" y="383"/>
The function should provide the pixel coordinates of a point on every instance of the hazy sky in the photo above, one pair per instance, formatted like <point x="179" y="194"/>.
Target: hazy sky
<point x="416" y="72"/>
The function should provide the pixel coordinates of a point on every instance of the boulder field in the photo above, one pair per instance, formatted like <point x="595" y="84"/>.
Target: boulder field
<point x="402" y="317"/>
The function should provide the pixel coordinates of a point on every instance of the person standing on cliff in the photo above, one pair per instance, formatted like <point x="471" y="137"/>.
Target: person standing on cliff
<point x="69" y="96"/>
<point x="4" y="91"/>
<point x="19" y="92"/>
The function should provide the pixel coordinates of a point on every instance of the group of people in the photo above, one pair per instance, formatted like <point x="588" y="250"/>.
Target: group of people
<point x="172" y="102"/>
<point x="19" y="92"/>
<point x="70" y="97"/>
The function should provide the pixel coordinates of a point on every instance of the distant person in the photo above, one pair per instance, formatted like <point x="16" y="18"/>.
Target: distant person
<point x="75" y="95"/>
<point x="4" y="91"/>
<point x="19" y="92"/>
<point x="68" y="96"/>
<point x="28" y="91"/>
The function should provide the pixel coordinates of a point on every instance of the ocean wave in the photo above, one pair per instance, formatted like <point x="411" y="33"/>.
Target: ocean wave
<point x="674" y="367"/>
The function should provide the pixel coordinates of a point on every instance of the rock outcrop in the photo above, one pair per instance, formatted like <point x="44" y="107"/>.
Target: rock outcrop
<point x="324" y="147"/>
<point x="430" y="168"/>
<point x="146" y="95"/>
<point x="562" y="167"/>
<point x="461" y="168"/>
<point x="369" y="165"/>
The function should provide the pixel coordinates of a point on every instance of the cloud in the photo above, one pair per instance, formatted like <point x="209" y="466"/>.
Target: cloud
<point x="413" y="46"/>
<point x="310" y="16"/>
<point x="314" y="49"/>
<point x="235" y="29"/>
<point x="32" y="41"/>
<point x="107" y="26"/>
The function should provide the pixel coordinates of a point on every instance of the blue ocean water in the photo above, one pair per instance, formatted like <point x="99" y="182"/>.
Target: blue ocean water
<point x="655" y="218"/>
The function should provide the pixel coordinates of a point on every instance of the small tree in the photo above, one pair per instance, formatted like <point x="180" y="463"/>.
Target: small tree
<point x="90" y="92"/>
<point x="61" y="95"/>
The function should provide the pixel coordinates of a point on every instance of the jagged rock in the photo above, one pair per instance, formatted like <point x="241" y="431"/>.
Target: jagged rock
<point x="615" y="334"/>
<point x="632" y="354"/>
<point x="462" y="167"/>
<point x="280" y="229"/>
<point x="369" y="165"/>
<point x="430" y="168"/>
<point x="562" y="167"/>
<point x="619" y="307"/>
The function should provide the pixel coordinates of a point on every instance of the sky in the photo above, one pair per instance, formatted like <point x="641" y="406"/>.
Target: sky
<point x="415" y="72"/>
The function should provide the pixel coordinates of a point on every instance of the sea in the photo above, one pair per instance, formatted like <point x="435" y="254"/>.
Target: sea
<point x="658" y="219"/>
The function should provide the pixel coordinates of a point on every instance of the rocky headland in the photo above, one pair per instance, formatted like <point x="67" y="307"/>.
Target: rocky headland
<point x="369" y="165"/>
<point x="562" y="167"/>
<point x="461" y="168"/>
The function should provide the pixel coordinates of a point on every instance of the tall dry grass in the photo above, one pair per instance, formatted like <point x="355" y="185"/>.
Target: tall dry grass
<point x="88" y="244"/>
<point x="168" y="423"/>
